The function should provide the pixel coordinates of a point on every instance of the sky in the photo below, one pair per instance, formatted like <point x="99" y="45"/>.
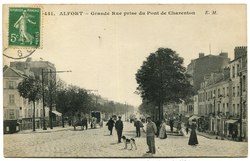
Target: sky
<point x="105" y="52"/>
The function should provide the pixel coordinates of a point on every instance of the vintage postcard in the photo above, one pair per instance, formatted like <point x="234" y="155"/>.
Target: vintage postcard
<point x="125" y="81"/>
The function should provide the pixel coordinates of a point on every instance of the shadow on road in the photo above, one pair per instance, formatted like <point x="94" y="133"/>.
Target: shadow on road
<point x="147" y="155"/>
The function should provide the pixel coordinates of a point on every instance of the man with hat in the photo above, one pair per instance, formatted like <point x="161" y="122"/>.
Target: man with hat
<point x="151" y="130"/>
<point x="119" y="128"/>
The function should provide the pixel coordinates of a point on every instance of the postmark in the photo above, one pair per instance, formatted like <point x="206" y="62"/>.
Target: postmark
<point x="24" y="27"/>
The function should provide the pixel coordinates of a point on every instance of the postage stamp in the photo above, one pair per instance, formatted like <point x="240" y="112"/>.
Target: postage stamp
<point x="24" y="27"/>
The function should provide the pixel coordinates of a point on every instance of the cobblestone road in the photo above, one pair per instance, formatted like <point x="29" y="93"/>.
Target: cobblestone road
<point x="97" y="143"/>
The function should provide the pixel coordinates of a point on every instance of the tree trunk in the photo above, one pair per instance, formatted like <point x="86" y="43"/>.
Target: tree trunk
<point x="34" y="112"/>
<point x="62" y="120"/>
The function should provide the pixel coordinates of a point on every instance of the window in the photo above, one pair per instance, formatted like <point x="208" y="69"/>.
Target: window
<point x="11" y="85"/>
<point x="223" y="91"/>
<point x="218" y="93"/>
<point x="25" y="113"/>
<point x="227" y="91"/>
<point x="227" y="109"/>
<point x="244" y="83"/>
<point x="233" y="109"/>
<point x="233" y="91"/>
<point x="237" y="70"/>
<point x="41" y="113"/>
<point x="238" y="109"/>
<point x="29" y="112"/>
<point x="223" y="108"/>
<point x="11" y="99"/>
<point x="233" y="72"/>
<point x="238" y="91"/>
<point x="11" y="114"/>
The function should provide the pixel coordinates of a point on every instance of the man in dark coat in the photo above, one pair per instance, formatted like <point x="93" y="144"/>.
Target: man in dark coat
<point x="110" y="125"/>
<point x="119" y="128"/>
<point x="85" y="122"/>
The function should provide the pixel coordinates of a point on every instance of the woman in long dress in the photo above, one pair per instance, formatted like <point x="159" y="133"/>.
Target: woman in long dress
<point x="193" y="137"/>
<point x="162" y="133"/>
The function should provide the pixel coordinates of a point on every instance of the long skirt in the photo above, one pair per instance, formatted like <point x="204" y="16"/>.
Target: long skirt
<point x="193" y="138"/>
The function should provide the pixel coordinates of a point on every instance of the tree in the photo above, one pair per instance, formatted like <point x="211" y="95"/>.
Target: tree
<point x="162" y="79"/>
<point x="31" y="88"/>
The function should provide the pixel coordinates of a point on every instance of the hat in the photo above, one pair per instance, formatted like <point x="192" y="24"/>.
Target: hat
<point x="119" y="117"/>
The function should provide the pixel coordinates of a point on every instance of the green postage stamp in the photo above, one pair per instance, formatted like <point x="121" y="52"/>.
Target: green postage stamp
<point x="24" y="27"/>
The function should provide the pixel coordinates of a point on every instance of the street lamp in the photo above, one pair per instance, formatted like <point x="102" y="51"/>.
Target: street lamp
<point x="50" y="108"/>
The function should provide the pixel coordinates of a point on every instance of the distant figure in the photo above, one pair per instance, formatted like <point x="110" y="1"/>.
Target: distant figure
<point x="193" y="137"/>
<point x="158" y="124"/>
<point x="119" y="128"/>
<point x="187" y="127"/>
<point x="171" y="124"/>
<point x="138" y="125"/>
<point x="110" y="125"/>
<point x="101" y="123"/>
<point x="85" y="122"/>
<point x="151" y="130"/>
<point x="179" y="126"/>
<point x="163" y="131"/>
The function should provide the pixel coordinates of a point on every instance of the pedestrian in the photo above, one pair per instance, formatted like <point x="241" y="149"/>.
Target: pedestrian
<point x="85" y="123"/>
<point x="171" y="124"/>
<point x="179" y="126"/>
<point x="110" y="125"/>
<point x="151" y="131"/>
<point x="163" y="131"/>
<point x="187" y="127"/>
<point x="193" y="137"/>
<point x="138" y="125"/>
<point x="158" y="124"/>
<point x="119" y="128"/>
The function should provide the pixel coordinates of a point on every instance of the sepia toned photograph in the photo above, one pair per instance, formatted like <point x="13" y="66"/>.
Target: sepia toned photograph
<point x="125" y="81"/>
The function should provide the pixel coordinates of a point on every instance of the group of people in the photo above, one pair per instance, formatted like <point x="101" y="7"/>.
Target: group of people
<point x="151" y="131"/>
<point x="118" y="126"/>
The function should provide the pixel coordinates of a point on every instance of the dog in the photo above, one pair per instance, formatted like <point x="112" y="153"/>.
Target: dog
<point x="130" y="141"/>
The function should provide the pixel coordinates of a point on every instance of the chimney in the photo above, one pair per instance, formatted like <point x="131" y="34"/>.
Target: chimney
<point x="201" y="55"/>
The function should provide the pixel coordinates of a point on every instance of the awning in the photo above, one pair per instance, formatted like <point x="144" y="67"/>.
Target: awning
<point x="194" y="117"/>
<point x="231" y="121"/>
<point x="57" y="113"/>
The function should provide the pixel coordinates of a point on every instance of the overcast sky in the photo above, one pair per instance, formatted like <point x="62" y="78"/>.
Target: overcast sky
<point x="105" y="52"/>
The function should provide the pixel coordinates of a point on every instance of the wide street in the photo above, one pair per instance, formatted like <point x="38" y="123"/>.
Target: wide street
<point x="98" y="143"/>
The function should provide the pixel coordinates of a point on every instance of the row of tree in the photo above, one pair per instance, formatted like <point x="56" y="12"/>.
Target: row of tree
<point x="70" y="100"/>
<point x="162" y="79"/>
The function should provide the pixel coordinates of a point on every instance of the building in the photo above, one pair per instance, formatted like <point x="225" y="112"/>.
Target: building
<point x="42" y="70"/>
<point x="204" y="65"/>
<point x="222" y="99"/>
<point x="17" y="110"/>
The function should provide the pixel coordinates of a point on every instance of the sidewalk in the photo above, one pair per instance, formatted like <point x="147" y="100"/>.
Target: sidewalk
<point x="55" y="129"/>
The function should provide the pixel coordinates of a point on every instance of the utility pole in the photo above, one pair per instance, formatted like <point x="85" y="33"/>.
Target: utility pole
<point x="44" y="125"/>
<point x="50" y="108"/>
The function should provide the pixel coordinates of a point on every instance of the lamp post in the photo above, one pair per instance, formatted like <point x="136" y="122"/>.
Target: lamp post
<point x="50" y="109"/>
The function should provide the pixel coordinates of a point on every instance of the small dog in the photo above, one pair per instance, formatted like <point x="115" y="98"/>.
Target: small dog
<point x="130" y="141"/>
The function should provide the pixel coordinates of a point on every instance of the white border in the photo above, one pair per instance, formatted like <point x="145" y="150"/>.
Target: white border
<point x="113" y="2"/>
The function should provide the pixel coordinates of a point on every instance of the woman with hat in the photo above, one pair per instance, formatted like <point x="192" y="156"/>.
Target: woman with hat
<point x="193" y="137"/>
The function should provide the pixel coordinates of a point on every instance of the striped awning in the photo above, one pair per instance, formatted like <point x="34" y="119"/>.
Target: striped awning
<point x="57" y="113"/>
<point x="194" y="117"/>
